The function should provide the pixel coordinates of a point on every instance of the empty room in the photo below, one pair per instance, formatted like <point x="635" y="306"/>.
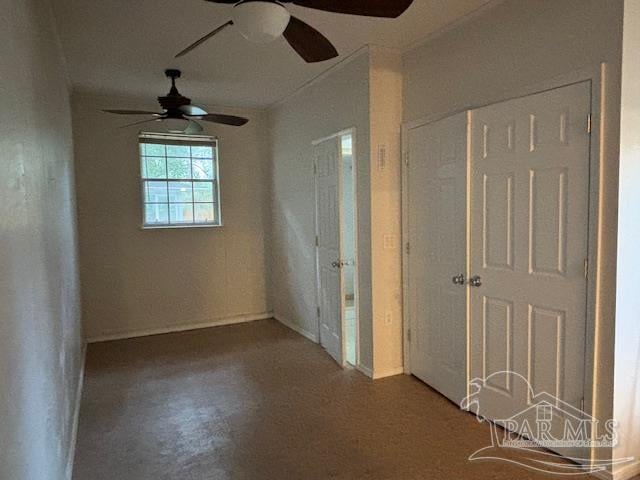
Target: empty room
<point x="319" y="239"/>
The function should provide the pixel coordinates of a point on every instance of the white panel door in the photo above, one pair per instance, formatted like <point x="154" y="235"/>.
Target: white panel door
<point x="528" y="245"/>
<point x="437" y="184"/>
<point x="328" y="164"/>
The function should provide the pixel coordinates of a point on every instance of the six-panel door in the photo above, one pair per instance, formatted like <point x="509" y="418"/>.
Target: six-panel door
<point x="529" y="233"/>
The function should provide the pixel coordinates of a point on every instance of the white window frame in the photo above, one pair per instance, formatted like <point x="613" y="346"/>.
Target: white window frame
<point x="180" y="139"/>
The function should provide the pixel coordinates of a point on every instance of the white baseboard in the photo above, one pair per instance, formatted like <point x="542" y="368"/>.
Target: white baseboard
<point x="296" y="328"/>
<point x="218" y="322"/>
<point x="604" y="475"/>
<point x="625" y="473"/>
<point x="71" y="455"/>
<point x="378" y="375"/>
<point x="388" y="373"/>
<point x="628" y="471"/>
<point x="365" y="370"/>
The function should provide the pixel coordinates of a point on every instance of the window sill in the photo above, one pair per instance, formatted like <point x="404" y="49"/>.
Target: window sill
<point x="178" y="227"/>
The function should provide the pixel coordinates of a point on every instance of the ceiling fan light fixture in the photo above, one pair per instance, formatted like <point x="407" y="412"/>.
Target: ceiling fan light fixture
<point x="176" y="125"/>
<point x="261" y="21"/>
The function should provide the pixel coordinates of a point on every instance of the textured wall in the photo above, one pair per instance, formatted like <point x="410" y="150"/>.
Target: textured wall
<point x="138" y="280"/>
<point x="40" y="342"/>
<point x="335" y="103"/>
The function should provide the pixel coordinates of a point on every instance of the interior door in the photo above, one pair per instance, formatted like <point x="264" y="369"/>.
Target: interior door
<point x="437" y="184"/>
<point x="328" y="164"/>
<point x="528" y="245"/>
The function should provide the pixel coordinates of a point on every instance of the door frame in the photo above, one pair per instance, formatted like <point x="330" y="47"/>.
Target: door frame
<point x="356" y="277"/>
<point x="601" y="91"/>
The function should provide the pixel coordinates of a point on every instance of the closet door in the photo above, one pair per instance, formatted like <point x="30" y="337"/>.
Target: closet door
<point x="528" y="245"/>
<point x="437" y="238"/>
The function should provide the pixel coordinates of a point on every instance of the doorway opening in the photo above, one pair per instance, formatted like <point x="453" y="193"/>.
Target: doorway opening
<point x="349" y="248"/>
<point x="336" y="246"/>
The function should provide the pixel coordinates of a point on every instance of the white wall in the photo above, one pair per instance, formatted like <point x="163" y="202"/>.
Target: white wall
<point x="627" y="361"/>
<point x="365" y="93"/>
<point x="334" y="103"/>
<point x="40" y="341"/>
<point x="385" y="107"/>
<point x="515" y="46"/>
<point x="138" y="280"/>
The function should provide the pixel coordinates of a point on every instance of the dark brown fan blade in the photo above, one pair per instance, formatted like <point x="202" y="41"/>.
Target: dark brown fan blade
<point x="224" y="119"/>
<point x="366" y="8"/>
<point x="310" y="44"/>
<point x="131" y="112"/>
<point x="141" y="122"/>
<point x="204" y="39"/>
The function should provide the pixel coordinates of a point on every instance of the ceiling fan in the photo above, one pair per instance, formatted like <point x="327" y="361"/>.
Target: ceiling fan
<point x="262" y="21"/>
<point x="178" y="113"/>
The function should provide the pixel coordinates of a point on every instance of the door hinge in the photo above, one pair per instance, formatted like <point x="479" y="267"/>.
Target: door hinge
<point x="586" y="268"/>
<point x="315" y="168"/>
<point x="406" y="158"/>
<point x="409" y="335"/>
<point x="582" y="405"/>
<point x="589" y="123"/>
<point x="407" y="248"/>
<point x="318" y="311"/>
<point x="317" y="241"/>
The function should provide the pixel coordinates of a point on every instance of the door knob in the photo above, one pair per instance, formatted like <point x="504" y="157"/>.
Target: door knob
<point x="475" y="281"/>
<point x="336" y="264"/>
<point x="458" y="279"/>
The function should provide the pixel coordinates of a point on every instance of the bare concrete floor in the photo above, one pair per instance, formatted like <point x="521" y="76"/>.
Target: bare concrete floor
<point x="257" y="401"/>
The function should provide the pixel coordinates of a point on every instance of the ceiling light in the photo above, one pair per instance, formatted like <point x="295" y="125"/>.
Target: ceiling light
<point x="260" y="21"/>
<point x="176" y="125"/>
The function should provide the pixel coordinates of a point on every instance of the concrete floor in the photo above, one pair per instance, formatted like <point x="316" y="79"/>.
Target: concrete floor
<point x="258" y="401"/>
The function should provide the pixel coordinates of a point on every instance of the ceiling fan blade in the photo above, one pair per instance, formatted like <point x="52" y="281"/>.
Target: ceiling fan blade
<point x="192" y="111"/>
<point x="228" y="2"/>
<point x="141" y="122"/>
<point x="366" y="8"/>
<point x="204" y="39"/>
<point x="224" y="119"/>
<point x="309" y="43"/>
<point x="131" y="112"/>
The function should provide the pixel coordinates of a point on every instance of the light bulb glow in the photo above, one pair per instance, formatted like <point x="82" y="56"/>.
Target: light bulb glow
<point x="260" y="21"/>
<point x="176" y="125"/>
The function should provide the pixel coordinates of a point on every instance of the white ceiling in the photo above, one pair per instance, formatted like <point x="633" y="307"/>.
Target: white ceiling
<point x="123" y="47"/>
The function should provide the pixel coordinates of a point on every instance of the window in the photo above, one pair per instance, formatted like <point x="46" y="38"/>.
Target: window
<point x="180" y="182"/>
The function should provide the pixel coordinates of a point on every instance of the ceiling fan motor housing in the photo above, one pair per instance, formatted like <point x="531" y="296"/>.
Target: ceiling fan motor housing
<point x="261" y="21"/>
<point x="172" y="102"/>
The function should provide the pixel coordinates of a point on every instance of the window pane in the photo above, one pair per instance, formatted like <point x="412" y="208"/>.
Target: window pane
<point x="180" y="192"/>
<point x="202" y="152"/>
<point x="181" y="212"/>
<point x="202" y="192"/>
<point x="156" y="214"/>
<point x="154" y="167"/>
<point x="153" y="150"/>
<point x="155" y="192"/>
<point x="178" y="168"/>
<point x="203" y="169"/>
<point x="178" y="151"/>
<point x="205" y="213"/>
